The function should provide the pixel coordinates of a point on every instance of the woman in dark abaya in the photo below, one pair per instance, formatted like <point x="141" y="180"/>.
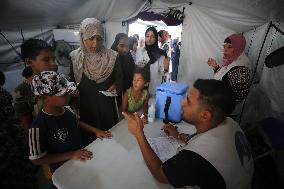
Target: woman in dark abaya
<point x="96" y="69"/>
<point x="153" y="58"/>
<point x="120" y="45"/>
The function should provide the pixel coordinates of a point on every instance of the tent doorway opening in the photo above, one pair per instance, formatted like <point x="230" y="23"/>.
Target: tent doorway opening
<point x="139" y="27"/>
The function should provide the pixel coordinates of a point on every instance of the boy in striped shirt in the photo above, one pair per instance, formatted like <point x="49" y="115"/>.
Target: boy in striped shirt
<point x="54" y="136"/>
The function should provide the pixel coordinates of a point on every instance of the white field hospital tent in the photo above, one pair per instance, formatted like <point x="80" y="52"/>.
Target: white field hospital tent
<point x="205" y="26"/>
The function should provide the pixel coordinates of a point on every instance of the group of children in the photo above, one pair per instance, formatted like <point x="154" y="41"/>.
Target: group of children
<point x="40" y="102"/>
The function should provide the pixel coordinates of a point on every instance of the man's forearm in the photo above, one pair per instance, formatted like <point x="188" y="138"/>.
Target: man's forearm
<point x="152" y="161"/>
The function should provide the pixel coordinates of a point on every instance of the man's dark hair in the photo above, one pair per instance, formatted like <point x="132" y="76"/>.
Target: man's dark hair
<point x="217" y="96"/>
<point x="144" y="72"/>
<point x="32" y="47"/>
<point x="2" y="78"/>
<point x="160" y="33"/>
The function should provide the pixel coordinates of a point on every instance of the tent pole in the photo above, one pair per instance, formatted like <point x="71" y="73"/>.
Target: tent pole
<point x="254" y="73"/>
<point x="22" y="35"/>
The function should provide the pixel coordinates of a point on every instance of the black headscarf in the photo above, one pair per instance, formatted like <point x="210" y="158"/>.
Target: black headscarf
<point x="126" y="62"/>
<point x="116" y="40"/>
<point x="154" y="52"/>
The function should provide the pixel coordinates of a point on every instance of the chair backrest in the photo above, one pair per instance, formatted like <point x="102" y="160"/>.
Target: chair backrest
<point x="274" y="129"/>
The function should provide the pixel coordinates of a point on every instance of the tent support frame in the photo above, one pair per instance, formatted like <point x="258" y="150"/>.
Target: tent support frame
<point x="257" y="63"/>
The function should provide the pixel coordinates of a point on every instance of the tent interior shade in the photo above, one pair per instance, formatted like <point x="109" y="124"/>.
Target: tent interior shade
<point x="206" y="24"/>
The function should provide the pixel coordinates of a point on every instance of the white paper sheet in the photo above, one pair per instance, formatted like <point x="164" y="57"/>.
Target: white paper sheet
<point x="164" y="147"/>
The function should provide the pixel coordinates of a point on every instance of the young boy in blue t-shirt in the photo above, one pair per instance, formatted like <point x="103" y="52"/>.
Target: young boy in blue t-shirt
<point x="54" y="135"/>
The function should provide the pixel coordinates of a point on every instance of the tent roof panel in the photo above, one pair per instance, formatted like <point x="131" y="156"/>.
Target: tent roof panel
<point x="32" y="13"/>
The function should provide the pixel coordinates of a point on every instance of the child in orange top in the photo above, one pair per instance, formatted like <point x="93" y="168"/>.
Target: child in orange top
<point x="136" y="97"/>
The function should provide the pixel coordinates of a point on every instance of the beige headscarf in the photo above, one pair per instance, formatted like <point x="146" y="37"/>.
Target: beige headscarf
<point x="96" y="66"/>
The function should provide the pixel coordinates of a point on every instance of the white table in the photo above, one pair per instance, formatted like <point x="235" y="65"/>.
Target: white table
<point x="117" y="162"/>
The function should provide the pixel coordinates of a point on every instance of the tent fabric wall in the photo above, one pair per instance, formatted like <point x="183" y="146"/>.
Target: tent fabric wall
<point x="255" y="38"/>
<point x="111" y="29"/>
<point x="11" y="62"/>
<point x="203" y="36"/>
<point x="36" y="13"/>
<point x="242" y="11"/>
<point x="35" y="17"/>
<point x="266" y="95"/>
<point x="7" y="55"/>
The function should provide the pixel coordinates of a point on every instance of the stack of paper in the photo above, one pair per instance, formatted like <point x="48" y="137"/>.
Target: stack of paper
<point x="164" y="147"/>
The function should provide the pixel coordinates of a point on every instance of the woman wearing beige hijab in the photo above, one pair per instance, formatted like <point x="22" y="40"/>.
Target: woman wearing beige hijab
<point x="96" y="69"/>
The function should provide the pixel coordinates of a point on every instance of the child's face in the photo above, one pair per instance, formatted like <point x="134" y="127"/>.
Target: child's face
<point x="138" y="82"/>
<point x="58" y="101"/>
<point x="44" y="61"/>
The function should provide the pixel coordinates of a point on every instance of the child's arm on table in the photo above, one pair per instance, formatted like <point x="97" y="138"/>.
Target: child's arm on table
<point x="81" y="154"/>
<point x="99" y="133"/>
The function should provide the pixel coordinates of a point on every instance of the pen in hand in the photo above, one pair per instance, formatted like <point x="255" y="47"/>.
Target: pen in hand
<point x="168" y="125"/>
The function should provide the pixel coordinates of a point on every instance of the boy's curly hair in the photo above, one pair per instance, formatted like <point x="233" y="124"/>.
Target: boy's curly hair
<point x="32" y="47"/>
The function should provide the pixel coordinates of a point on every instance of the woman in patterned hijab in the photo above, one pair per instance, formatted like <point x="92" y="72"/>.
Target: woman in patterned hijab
<point x="92" y="58"/>
<point x="96" y="69"/>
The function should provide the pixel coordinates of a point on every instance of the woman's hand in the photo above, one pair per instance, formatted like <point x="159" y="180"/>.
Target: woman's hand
<point x="82" y="155"/>
<point x="211" y="62"/>
<point x="103" y="134"/>
<point x="112" y="88"/>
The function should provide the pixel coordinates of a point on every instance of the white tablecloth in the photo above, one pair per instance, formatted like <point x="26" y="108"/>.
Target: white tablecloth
<point x="117" y="162"/>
